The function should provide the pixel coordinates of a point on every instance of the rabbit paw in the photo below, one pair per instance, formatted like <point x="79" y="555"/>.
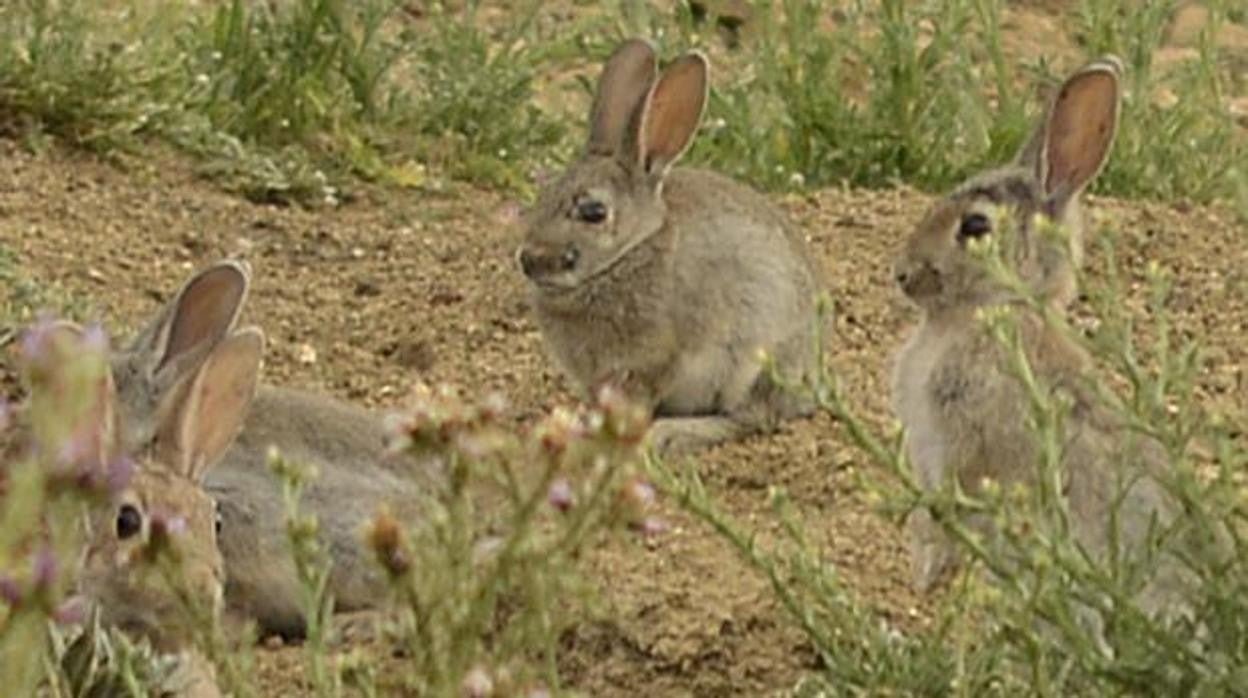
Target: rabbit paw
<point x="932" y="556"/>
<point x="675" y="435"/>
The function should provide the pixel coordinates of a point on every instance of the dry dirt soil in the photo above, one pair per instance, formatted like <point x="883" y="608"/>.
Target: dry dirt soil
<point x="364" y="300"/>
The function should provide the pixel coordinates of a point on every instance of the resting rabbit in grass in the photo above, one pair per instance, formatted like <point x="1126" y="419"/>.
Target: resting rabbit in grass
<point x="668" y="282"/>
<point x="345" y="443"/>
<point x="162" y="502"/>
<point x="965" y="417"/>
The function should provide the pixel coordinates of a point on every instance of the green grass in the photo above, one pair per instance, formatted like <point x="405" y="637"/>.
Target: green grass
<point x="298" y="100"/>
<point x="288" y="101"/>
<point x="923" y="93"/>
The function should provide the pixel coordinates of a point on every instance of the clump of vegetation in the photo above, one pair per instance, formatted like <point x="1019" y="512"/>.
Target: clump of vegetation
<point x="1178" y="139"/>
<point x="282" y="101"/>
<point x="288" y="101"/>
<point x="871" y="95"/>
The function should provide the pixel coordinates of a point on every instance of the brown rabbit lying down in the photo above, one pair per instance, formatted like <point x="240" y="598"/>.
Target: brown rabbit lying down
<point x="164" y="497"/>
<point x="668" y="282"/>
<point x="965" y="417"/>
<point x="345" y="444"/>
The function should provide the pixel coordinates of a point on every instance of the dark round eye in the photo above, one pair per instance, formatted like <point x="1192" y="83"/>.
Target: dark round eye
<point x="129" y="521"/>
<point x="216" y="518"/>
<point x="974" y="225"/>
<point x="591" y="210"/>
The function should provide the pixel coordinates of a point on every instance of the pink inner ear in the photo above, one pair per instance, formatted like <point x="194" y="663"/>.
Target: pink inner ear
<point x="205" y="311"/>
<point x="675" y="110"/>
<point x="1081" y="130"/>
<point x="218" y="400"/>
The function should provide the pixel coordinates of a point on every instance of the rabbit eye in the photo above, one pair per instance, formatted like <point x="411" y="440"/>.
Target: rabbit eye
<point x="129" y="521"/>
<point x="974" y="225"/>
<point x="591" y="210"/>
<point x="216" y="519"/>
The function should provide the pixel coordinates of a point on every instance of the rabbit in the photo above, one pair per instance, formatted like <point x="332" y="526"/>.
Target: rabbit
<point x="164" y="492"/>
<point x="668" y="282"/>
<point x="344" y="443"/>
<point x="964" y="417"/>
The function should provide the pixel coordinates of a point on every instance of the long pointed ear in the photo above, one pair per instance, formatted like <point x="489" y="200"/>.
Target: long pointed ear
<point x="673" y="112"/>
<point x="625" y="82"/>
<point x="1073" y="141"/>
<point x="202" y="312"/>
<point x="210" y="408"/>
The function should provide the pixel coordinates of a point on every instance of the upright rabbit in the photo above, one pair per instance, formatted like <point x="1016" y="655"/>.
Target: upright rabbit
<point x="965" y="417"/>
<point x="668" y="282"/>
<point x="344" y="443"/>
<point x="164" y="501"/>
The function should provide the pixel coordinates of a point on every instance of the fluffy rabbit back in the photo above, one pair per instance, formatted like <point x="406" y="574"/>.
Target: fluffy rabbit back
<point x="345" y="445"/>
<point x="668" y="282"/>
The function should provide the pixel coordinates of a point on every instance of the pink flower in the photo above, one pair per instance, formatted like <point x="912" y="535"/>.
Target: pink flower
<point x="650" y="526"/>
<point x="10" y="592"/>
<point x="560" y="495"/>
<point x="45" y="568"/>
<point x="72" y="612"/>
<point x="477" y="684"/>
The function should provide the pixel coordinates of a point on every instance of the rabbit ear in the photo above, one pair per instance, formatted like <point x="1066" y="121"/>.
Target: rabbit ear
<point x="625" y="81"/>
<point x="1078" y="130"/>
<point x="202" y="312"/>
<point x="210" y="408"/>
<point x="673" y="112"/>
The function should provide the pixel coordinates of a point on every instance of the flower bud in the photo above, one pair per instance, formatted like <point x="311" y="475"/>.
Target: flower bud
<point x="477" y="684"/>
<point x="385" y="537"/>
<point x="43" y="571"/>
<point x="560" y="495"/>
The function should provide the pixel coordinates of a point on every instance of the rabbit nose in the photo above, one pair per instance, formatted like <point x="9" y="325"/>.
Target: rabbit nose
<point x="568" y="259"/>
<point x="539" y="263"/>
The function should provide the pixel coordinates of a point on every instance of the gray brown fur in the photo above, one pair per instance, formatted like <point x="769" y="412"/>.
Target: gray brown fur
<point x="688" y="278"/>
<point x="965" y="417"/>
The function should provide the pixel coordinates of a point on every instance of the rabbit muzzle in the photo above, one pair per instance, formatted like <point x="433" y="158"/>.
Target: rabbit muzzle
<point x="549" y="266"/>
<point x="918" y="279"/>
